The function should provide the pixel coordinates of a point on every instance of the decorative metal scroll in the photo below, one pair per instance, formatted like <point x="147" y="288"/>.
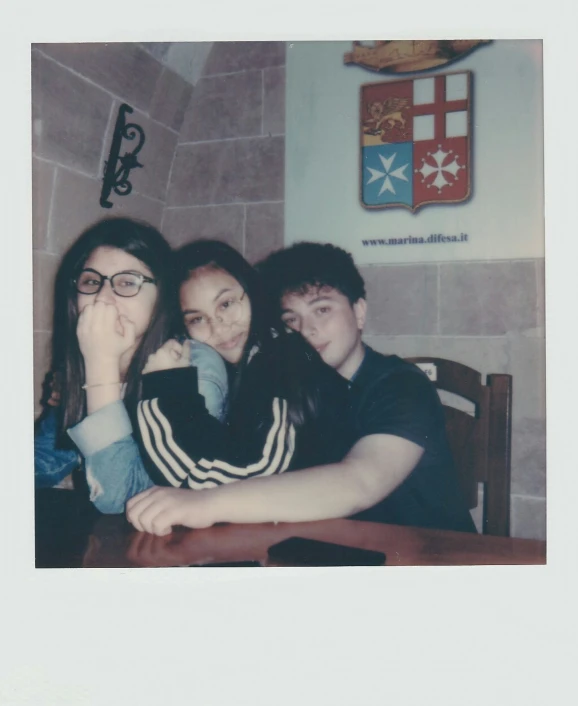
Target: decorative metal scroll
<point x="117" y="169"/>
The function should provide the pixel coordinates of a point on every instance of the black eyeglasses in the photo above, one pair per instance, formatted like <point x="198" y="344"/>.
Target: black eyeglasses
<point x="228" y="313"/>
<point x="125" y="284"/>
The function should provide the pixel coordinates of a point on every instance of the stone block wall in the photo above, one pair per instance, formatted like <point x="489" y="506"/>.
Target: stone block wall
<point x="76" y="92"/>
<point x="227" y="178"/>
<point x="489" y="316"/>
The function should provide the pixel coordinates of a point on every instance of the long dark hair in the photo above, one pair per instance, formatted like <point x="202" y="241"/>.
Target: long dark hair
<point x="302" y="396"/>
<point x="214" y="253"/>
<point x="305" y="265"/>
<point x="146" y="244"/>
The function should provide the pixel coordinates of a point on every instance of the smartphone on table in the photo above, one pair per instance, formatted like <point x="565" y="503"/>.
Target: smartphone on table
<point x="229" y="564"/>
<point x="299" y="551"/>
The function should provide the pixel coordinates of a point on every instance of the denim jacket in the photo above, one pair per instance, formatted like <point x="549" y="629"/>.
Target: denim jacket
<point x="51" y="465"/>
<point x="114" y="468"/>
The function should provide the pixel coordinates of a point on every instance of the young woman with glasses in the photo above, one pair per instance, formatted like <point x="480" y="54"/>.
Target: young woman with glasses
<point x="114" y="307"/>
<point x="286" y="407"/>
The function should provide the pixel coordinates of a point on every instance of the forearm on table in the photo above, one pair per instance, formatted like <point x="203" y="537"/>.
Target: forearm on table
<point x="341" y="489"/>
<point x="318" y="493"/>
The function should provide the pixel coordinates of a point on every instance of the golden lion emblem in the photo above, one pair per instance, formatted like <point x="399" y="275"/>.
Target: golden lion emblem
<point x="385" y="115"/>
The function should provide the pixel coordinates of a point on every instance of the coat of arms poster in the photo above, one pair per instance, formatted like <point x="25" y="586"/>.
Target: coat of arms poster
<point x="416" y="151"/>
<point x="415" y="137"/>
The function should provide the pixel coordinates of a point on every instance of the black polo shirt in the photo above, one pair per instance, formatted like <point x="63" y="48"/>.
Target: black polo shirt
<point x="392" y="396"/>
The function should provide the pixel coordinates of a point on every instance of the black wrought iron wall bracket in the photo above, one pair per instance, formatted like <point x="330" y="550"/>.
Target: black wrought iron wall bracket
<point x="117" y="169"/>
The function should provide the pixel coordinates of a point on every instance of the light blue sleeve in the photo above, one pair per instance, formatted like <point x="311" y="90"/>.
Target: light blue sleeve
<point x="114" y="468"/>
<point x="212" y="376"/>
<point x="115" y="474"/>
<point x="51" y="465"/>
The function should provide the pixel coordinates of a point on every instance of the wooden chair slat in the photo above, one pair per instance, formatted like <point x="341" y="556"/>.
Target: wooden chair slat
<point x="480" y="443"/>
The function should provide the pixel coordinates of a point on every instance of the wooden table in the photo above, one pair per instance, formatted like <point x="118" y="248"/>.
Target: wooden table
<point x="71" y="533"/>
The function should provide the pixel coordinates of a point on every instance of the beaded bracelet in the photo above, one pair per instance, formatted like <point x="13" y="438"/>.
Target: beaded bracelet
<point x="101" y="384"/>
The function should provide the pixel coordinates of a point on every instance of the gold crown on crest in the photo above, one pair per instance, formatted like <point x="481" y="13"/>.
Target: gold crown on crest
<point x="404" y="55"/>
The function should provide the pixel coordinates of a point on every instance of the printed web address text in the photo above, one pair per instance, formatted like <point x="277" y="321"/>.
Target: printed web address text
<point x="413" y="240"/>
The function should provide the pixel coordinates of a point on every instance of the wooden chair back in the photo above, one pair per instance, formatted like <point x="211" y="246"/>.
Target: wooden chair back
<point x="480" y="443"/>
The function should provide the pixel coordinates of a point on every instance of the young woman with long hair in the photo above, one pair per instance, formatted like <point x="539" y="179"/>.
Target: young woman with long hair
<point x="114" y="307"/>
<point x="286" y="408"/>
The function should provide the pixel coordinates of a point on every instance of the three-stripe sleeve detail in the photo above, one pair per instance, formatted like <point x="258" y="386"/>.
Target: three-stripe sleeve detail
<point x="177" y="466"/>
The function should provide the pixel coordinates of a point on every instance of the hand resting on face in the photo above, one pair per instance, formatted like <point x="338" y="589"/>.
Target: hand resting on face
<point x="171" y="354"/>
<point x="103" y="333"/>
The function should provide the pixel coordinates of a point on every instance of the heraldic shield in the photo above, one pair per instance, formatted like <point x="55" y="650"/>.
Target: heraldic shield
<point x="416" y="141"/>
